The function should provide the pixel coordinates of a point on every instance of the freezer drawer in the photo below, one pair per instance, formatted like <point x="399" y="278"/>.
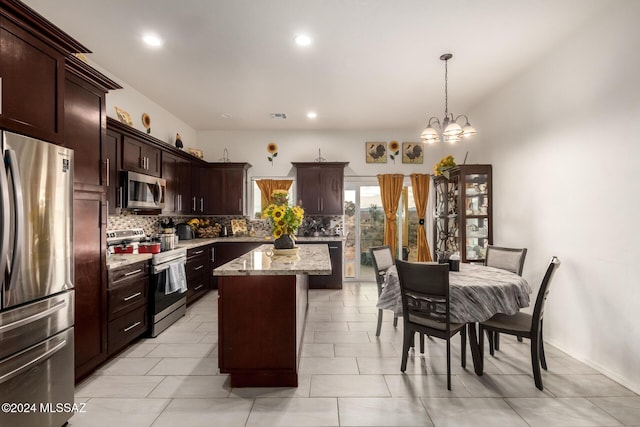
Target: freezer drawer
<point x="32" y="323"/>
<point x="39" y="381"/>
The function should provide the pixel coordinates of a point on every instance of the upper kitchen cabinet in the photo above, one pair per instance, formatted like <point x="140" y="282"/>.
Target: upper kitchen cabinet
<point x="220" y="189"/>
<point x="320" y="187"/>
<point x="177" y="173"/>
<point x="85" y="124"/>
<point x="138" y="156"/>
<point x="32" y="72"/>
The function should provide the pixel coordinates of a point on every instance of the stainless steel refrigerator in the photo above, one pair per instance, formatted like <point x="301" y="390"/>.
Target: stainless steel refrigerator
<point x="36" y="297"/>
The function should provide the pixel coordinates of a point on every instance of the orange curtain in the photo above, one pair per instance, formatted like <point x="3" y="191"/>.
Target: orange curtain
<point x="420" y="184"/>
<point x="267" y="186"/>
<point x="390" y="191"/>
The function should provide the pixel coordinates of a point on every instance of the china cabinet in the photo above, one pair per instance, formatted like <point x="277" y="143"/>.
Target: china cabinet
<point x="463" y="212"/>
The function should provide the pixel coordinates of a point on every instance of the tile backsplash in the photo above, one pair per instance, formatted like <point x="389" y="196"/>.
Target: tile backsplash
<point x="323" y="225"/>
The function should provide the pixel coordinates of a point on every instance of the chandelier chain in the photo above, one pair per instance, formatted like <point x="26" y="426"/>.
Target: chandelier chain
<point x="446" y="92"/>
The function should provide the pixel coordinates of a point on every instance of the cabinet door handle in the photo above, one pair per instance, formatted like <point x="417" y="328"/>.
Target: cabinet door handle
<point x="194" y="203"/>
<point x="130" y="327"/>
<point x="120" y="196"/>
<point x="198" y="252"/>
<point x="133" y="272"/>
<point x="197" y="288"/>
<point x="321" y="204"/>
<point x="240" y="205"/>
<point x="0" y="95"/>
<point x="213" y="254"/>
<point x="333" y="247"/>
<point x="137" y="294"/>
<point x="199" y="267"/>
<point x="201" y="204"/>
<point x="108" y="176"/>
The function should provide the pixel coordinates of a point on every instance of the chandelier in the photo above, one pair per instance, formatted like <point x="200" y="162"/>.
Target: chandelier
<point x="449" y="128"/>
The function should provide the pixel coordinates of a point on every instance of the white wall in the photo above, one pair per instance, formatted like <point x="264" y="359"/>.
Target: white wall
<point x="164" y="124"/>
<point x="298" y="146"/>
<point x="564" y="141"/>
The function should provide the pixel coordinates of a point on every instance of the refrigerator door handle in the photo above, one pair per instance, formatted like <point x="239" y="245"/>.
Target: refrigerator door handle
<point x="5" y="220"/>
<point x="4" y="377"/>
<point x="18" y="238"/>
<point x="30" y="319"/>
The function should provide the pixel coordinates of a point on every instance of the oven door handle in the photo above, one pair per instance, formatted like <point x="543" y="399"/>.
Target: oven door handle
<point x="162" y="267"/>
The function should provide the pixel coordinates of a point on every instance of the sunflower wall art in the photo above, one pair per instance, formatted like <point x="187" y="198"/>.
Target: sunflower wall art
<point x="412" y="152"/>
<point x="376" y="152"/>
<point x="394" y="150"/>
<point x="272" y="149"/>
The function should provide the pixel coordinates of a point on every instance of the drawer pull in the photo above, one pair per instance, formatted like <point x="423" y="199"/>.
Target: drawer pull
<point x="137" y="294"/>
<point x="198" y="252"/>
<point x="199" y="267"/>
<point x="133" y="272"/>
<point x="131" y="327"/>
<point x="197" y="288"/>
<point x="334" y="247"/>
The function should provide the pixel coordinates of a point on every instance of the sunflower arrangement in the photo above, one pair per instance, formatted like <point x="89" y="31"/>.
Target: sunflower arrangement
<point x="441" y="167"/>
<point x="284" y="219"/>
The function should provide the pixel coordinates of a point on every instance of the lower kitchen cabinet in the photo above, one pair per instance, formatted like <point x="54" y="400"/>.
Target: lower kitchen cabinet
<point x="198" y="271"/>
<point x="334" y="280"/>
<point x="127" y="305"/>
<point x="223" y="252"/>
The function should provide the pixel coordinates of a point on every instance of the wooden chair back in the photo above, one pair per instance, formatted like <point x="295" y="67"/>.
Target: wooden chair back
<point x="510" y="259"/>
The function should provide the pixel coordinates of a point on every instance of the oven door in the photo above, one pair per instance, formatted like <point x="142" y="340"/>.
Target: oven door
<point x="143" y="191"/>
<point x="169" y="284"/>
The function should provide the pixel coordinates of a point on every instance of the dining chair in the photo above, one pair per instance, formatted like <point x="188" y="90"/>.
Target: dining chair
<point x="424" y="289"/>
<point x="382" y="259"/>
<point x="510" y="259"/>
<point x="525" y="325"/>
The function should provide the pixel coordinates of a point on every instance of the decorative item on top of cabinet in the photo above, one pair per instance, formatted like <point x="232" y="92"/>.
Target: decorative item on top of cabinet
<point x="179" y="143"/>
<point x="463" y="216"/>
<point x="123" y="116"/>
<point x="320" y="187"/>
<point x="146" y="122"/>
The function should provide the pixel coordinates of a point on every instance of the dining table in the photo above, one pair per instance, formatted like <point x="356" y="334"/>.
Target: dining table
<point x="476" y="293"/>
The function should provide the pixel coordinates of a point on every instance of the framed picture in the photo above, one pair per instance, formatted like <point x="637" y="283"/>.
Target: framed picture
<point x="196" y="152"/>
<point x="412" y="152"/>
<point x="123" y="116"/>
<point x="375" y="152"/>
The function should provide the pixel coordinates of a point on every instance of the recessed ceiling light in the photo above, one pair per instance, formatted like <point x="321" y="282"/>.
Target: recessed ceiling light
<point x="152" y="40"/>
<point x="303" y="40"/>
<point x="312" y="115"/>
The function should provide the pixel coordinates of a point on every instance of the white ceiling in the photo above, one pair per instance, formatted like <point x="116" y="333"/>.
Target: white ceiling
<point x="374" y="64"/>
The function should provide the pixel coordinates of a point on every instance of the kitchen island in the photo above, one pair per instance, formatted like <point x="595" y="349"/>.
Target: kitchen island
<point x="262" y="309"/>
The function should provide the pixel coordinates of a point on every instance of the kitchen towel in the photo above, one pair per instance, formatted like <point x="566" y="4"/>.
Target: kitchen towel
<point x="177" y="280"/>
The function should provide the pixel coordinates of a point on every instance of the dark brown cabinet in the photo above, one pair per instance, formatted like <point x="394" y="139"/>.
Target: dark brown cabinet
<point x="219" y="188"/>
<point x="320" y="187"/>
<point x="177" y="173"/>
<point x="127" y="304"/>
<point x="334" y="280"/>
<point x="89" y="241"/>
<point x="198" y="269"/>
<point x="111" y="155"/>
<point x="464" y="220"/>
<point x="138" y="156"/>
<point x="84" y="124"/>
<point x="32" y="74"/>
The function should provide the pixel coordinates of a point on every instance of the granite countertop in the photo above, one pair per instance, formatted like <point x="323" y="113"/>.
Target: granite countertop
<point x="121" y="260"/>
<point x="311" y="259"/>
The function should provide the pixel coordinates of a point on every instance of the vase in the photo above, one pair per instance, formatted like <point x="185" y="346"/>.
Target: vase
<point x="284" y="242"/>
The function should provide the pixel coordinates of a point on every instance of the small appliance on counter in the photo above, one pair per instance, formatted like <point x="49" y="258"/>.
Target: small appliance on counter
<point x="185" y="232"/>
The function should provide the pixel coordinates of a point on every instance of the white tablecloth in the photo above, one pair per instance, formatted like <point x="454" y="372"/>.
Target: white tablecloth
<point x="476" y="293"/>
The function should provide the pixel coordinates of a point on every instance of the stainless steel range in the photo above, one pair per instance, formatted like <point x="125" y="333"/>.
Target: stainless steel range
<point x="168" y="284"/>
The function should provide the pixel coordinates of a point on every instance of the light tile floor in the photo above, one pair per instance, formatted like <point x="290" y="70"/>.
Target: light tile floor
<point x="348" y="377"/>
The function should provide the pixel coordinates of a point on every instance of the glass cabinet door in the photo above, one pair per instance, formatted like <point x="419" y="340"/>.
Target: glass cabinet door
<point x="477" y="227"/>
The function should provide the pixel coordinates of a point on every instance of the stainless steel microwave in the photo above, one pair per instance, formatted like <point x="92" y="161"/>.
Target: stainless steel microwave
<point x="143" y="191"/>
